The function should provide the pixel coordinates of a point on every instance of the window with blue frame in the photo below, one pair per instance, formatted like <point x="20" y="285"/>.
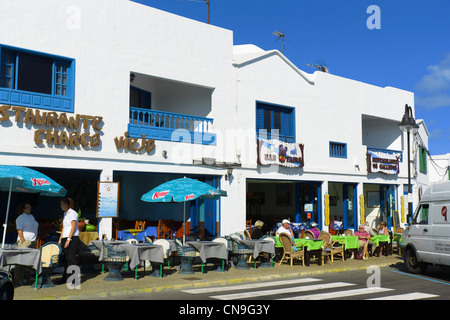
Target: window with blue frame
<point x="36" y="80"/>
<point x="275" y="122"/>
<point x="338" y="150"/>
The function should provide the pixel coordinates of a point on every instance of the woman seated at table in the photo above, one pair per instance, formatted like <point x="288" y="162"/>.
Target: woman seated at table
<point x="382" y="230"/>
<point x="363" y="240"/>
<point x="257" y="232"/>
<point x="315" y="230"/>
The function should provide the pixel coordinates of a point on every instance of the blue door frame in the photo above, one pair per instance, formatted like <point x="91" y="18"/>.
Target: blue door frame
<point x="299" y="205"/>
<point x="387" y="203"/>
<point x="348" y="224"/>
<point x="210" y="210"/>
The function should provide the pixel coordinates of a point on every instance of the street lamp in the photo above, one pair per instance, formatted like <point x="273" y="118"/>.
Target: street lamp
<point x="408" y="125"/>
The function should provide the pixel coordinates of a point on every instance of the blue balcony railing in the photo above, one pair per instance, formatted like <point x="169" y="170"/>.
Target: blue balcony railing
<point x="170" y="126"/>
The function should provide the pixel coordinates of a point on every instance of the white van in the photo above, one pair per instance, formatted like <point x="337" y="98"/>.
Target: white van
<point x="427" y="239"/>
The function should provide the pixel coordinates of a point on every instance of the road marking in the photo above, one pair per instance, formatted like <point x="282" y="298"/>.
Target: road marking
<point x="423" y="278"/>
<point x="338" y="294"/>
<point x="250" y="286"/>
<point x="255" y="294"/>
<point x="407" y="296"/>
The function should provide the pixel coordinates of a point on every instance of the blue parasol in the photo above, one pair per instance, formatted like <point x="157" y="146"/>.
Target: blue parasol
<point x="182" y="190"/>
<point x="23" y="179"/>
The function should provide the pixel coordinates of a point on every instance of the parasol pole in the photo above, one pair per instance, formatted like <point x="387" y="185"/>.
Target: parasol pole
<point x="5" y="225"/>
<point x="184" y="222"/>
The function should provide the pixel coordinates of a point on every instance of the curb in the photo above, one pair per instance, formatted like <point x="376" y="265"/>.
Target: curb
<point x="212" y="283"/>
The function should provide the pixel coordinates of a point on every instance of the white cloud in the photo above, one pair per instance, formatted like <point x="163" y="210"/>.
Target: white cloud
<point x="433" y="101"/>
<point x="433" y="90"/>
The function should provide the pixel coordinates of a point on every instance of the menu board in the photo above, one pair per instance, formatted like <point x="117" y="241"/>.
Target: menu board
<point x="107" y="199"/>
<point x="396" y="219"/>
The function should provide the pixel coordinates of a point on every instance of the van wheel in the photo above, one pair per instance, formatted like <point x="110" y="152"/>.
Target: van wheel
<point x="411" y="263"/>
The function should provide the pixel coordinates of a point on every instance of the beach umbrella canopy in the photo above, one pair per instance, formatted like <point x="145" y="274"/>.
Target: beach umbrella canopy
<point x="23" y="179"/>
<point x="182" y="190"/>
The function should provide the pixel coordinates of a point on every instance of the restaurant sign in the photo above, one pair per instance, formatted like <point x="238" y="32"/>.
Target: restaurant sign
<point x="280" y="153"/>
<point x="383" y="161"/>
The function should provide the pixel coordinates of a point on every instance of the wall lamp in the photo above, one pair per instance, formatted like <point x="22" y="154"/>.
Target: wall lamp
<point x="229" y="174"/>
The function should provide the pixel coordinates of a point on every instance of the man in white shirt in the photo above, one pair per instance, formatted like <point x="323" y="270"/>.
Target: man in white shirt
<point x="286" y="228"/>
<point x="27" y="231"/>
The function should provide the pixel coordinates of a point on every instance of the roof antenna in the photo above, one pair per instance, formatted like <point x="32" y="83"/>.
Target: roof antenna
<point x="280" y="35"/>
<point x="207" y="2"/>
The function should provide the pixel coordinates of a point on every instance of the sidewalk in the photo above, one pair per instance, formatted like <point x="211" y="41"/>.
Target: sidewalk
<point x="94" y="287"/>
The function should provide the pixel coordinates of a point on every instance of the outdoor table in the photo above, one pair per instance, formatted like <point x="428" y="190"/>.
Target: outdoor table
<point x="22" y="256"/>
<point x="266" y="246"/>
<point x="147" y="251"/>
<point x="349" y="242"/>
<point x="397" y="237"/>
<point x="137" y="253"/>
<point x="88" y="236"/>
<point x="210" y="249"/>
<point x="310" y="244"/>
<point x="380" y="238"/>
<point x="131" y="233"/>
<point x="151" y="232"/>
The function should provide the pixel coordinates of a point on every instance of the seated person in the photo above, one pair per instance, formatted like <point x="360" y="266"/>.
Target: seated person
<point x="383" y="230"/>
<point x="315" y="230"/>
<point x="363" y="240"/>
<point x="257" y="232"/>
<point x="286" y="228"/>
<point x="368" y="229"/>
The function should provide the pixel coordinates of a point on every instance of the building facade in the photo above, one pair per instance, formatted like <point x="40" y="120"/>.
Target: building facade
<point x="114" y="91"/>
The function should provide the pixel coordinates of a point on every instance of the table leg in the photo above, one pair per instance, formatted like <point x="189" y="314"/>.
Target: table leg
<point x="242" y="261"/>
<point x="157" y="270"/>
<point x="186" y="265"/>
<point x="114" y="271"/>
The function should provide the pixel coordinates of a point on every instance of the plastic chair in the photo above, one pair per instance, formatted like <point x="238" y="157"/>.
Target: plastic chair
<point x="88" y="256"/>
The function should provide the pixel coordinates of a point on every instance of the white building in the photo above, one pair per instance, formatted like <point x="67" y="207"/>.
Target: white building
<point x="81" y="83"/>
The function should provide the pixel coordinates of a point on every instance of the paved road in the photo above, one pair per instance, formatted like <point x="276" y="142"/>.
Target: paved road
<point x="378" y="283"/>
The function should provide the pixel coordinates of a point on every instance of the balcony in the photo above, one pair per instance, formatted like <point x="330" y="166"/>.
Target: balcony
<point x="169" y="126"/>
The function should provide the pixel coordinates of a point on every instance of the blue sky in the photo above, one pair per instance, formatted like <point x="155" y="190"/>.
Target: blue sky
<point x="410" y="50"/>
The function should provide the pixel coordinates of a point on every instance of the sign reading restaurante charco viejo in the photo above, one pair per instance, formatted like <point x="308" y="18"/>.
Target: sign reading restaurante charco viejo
<point x="57" y="126"/>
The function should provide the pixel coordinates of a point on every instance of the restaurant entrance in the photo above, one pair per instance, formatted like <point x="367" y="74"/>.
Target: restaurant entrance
<point x="272" y="201"/>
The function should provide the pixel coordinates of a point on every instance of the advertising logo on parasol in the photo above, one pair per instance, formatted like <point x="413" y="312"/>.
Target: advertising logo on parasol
<point x="444" y="212"/>
<point x="189" y="197"/>
<point x="39" y="182"/>
<point x="159" y="194"/>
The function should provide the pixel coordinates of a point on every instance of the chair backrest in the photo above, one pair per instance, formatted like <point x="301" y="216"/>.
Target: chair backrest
<point x="286" y="242"/>
<point x="247" y="235"/>
<point x="236" y="236"/>
<point x="165" y="244"/>
<point x="399" y="230"/>
<point x="132" y="240"/>
<point x="162" y="229"/>
<point x="222" y="240"/>
<point x="309" y="234"/>
<point x="267" y="237"/>
<point x="325" y="237"/>
<point x="50" y="252"/>
<point x="139" y="225"/>
<point x="348" y="232"/>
